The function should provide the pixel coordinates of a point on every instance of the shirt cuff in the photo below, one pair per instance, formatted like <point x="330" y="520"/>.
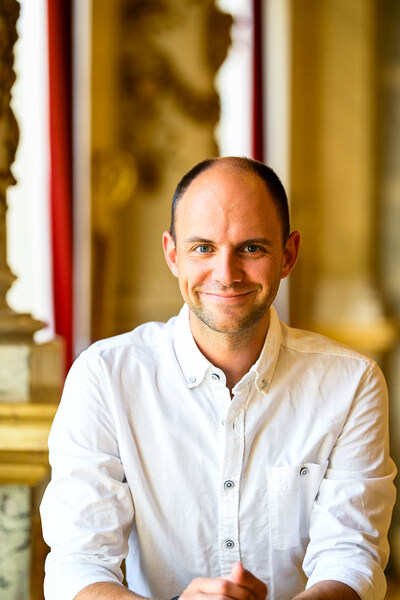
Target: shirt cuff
<point x="369" y="583"/>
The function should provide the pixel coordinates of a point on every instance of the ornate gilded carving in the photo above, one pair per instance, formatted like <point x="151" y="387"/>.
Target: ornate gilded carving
<point x="11" y="324"/>
<point x="155" y="102"/>
<point x="114" y="179"/>
<point x="113" y="183"/>
<point x="9" y="13"/>
<point x="153" y="76"/>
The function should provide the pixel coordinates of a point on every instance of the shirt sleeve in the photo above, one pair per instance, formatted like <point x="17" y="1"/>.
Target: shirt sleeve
<point x="352" y="511"/>
<point x="87" y="510"/>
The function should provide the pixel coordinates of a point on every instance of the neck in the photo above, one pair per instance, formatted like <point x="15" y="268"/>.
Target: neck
<point x="233" y="353"/>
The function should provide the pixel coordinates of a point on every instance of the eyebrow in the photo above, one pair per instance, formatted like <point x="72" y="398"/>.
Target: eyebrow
<point x="195" y="239"/>
<point x="261" y="241"/>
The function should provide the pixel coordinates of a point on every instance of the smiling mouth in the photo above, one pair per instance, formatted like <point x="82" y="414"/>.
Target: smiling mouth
<point x="226" y="297"/>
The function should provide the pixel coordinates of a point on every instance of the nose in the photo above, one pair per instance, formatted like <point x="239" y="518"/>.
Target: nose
<point x="227" y="268"/>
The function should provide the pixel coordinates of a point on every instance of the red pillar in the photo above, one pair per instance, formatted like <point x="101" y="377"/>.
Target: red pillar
<point x="60" y="115"/>
<point x="258" y="117"/>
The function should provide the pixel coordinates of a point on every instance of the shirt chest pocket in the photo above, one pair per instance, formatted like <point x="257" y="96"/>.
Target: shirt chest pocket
<point x="291" y="494"/>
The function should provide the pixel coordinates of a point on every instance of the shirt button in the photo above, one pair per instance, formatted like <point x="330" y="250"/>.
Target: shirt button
<point x="264" y="384"/>
<point x="228" y="485"/>
<point x="192" y="379"/>
<point x="229" y="544"/>
<point x="215" y="376"/>
<point x="303" y="471"/>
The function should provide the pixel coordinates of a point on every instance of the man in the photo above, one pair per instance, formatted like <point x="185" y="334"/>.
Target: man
<point x="223" y="454"/>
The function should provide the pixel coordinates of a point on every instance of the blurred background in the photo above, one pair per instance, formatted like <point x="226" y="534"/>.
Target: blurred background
<point x="104" y="105"/>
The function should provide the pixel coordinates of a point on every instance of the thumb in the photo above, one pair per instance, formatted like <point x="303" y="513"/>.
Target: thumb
<point x="237" y="572"/>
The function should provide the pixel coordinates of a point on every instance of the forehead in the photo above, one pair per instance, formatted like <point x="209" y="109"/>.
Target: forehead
<point x="227" y="197"/>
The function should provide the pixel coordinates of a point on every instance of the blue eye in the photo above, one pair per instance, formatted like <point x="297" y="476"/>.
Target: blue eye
<point x="203" y="248"/>
<point x="252" y="248"/>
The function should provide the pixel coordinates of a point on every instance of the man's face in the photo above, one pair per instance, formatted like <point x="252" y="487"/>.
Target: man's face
<point x="229" y="256"/>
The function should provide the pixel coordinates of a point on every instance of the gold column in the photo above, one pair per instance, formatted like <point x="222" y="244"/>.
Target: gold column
<point x="389" y="213"/>
<point x="334" y="173"/>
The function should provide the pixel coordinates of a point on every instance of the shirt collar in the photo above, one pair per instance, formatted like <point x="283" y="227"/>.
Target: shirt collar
<point x="194" y="364"/>
<point x="265" y="366"/>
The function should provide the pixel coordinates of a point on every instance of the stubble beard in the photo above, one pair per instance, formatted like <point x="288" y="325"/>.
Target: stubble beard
<point x="241" y="324"/>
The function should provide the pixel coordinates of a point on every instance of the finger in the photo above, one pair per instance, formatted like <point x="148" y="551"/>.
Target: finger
<point x="242" y="577"/>
<point x="220" y="588"/>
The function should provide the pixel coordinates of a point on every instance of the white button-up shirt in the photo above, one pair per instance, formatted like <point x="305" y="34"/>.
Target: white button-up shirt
<point x="153" y="461"/>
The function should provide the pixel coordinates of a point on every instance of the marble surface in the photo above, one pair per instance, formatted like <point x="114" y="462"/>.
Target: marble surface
<point x="15" y="542"/>
<point x="14" y="372"/>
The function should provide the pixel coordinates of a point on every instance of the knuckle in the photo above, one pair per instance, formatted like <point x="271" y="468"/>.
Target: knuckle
<point x="224" y="586"/>
<point x="193" y="585"/>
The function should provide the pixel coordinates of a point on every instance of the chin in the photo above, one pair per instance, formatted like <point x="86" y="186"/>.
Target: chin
<point x="231" y="326"/>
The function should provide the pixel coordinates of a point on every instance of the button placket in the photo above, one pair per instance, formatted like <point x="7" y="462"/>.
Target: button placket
<point x="229" y="494"/>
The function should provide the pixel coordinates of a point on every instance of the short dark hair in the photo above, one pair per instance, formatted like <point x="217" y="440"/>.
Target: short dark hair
<point x="268" y="175"/>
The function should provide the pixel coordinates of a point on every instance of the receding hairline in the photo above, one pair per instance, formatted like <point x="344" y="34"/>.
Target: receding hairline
<point x="263" y="172"/>
<point x="236" y="163"/>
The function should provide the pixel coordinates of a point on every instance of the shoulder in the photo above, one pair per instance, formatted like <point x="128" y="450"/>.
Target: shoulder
<point x="149" y="339"/>
<point x="313" y="345"/>
<point x="341" y="376"/>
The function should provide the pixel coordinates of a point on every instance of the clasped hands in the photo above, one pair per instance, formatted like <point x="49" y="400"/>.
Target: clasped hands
<point x="240" y="584"/>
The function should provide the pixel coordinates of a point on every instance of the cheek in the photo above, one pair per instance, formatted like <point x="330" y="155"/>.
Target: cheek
<point x="266" y="274"/>
<point x="192" y="270"/>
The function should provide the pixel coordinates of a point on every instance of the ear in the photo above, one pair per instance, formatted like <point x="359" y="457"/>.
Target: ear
<point x="170" y="252"/>
<point x="290" y="253"/>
